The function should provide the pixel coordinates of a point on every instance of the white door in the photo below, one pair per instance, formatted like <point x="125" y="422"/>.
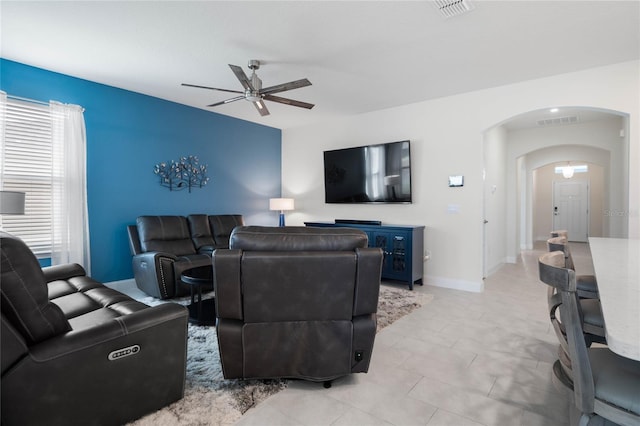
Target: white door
<point x="571" y="208"/>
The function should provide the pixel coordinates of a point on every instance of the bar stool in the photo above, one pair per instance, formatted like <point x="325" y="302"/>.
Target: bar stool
<point x="590" y="308"/>
<point x="602" y="383"/>
<point x="560" y="233"/>
<point x="587" y="284"/>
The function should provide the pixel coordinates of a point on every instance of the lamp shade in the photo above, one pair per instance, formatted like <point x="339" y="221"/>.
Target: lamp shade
<point x="281" y="204"/>
<point x="11" y="202"/>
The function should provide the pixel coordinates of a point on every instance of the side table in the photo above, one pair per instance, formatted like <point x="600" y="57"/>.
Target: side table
<point x="201" y="312"/>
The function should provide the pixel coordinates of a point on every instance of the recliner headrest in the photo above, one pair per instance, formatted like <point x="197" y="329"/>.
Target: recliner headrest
<point x="297" y="238"/>
<point x="165" y="233"/>
<point x="222" y="225"/>
<point x="25" y="300"/>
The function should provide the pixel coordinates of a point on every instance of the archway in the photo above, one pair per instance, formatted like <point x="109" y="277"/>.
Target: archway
<point x="513" y="147"/>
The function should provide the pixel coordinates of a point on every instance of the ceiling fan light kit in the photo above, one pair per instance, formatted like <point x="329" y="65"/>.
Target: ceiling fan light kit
<point x="253" y="91"/>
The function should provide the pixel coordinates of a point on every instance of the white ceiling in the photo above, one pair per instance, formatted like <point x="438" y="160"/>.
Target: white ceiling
<point x="360" y="56"/>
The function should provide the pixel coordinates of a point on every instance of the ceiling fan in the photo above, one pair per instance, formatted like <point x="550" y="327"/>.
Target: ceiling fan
<point x="253" y="91"/>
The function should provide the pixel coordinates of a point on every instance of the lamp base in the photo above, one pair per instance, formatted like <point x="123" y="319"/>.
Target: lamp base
<point x="281" y="219"/>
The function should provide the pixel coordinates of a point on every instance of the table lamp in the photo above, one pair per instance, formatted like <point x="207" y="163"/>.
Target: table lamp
<point x="281" y="204"/>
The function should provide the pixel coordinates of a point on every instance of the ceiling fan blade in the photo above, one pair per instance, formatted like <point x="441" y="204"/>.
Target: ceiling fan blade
<point x="211" y="88"/>
<point x="237" y="98"/>
<point x="240" y="75"/>
<point x="285" y="86"/>
<point x="261" y="107"/>
<point x="288" y="101"/>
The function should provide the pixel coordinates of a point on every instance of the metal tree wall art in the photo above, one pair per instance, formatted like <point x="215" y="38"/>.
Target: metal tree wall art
<point x="181" y="174"/>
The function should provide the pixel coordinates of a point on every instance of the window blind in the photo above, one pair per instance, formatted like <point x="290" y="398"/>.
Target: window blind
<point x="26" y="165"/>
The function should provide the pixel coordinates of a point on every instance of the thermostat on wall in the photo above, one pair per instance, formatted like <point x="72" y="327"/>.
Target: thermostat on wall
<point x="456" y="181"/>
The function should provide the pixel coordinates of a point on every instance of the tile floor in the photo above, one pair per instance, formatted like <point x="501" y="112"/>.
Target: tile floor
<point x="463" y="359"/>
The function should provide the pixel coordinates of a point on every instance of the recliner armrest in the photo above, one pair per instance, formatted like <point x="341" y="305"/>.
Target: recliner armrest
<point x="63" y="272"/>
<point x="85" y="338"/>
<point x="367" y="280"/>
<point x="227" y="284"/>
<point x="154" y="273"/>
<point x="151" y="256"/>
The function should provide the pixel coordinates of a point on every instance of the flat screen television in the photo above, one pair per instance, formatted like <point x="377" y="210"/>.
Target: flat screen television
<point x="368" y="174"/>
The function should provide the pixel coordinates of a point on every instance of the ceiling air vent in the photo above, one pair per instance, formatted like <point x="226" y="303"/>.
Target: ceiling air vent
<point x="451" y="8"/>
<point x="558" y="121"/>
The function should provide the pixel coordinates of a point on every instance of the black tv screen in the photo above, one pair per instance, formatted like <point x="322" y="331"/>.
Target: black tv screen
<point x="368" y="174"/>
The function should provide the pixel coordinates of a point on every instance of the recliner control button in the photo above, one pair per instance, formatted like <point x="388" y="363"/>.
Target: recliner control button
<point x="124" y="352"/>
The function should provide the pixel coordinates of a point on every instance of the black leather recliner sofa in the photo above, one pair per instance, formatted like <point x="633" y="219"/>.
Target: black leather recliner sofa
<point x="296" y="302"/>
<point x="77" y="352"/>
<point x="209" y="232"/>
<point x="163" y="247"/>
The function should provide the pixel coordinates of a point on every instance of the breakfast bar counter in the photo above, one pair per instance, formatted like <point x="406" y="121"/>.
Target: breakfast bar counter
<point x="617" y="268"/>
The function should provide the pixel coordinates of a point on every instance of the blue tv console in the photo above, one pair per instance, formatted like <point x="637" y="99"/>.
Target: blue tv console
<point x="402" y="245"/>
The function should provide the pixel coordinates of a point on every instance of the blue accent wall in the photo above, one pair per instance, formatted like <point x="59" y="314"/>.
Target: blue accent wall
<point x="128" y="133"/>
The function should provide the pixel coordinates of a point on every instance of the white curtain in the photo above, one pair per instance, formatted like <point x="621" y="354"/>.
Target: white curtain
<point x="3" y="112"/>
<point x="70" y="217"/>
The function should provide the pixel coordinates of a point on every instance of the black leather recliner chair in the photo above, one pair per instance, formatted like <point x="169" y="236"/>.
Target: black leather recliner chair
<point x="163" y="247"/>
<point x="162" y="250"/>
<point x="77" y="352"/>
<point x="296" y="302"/>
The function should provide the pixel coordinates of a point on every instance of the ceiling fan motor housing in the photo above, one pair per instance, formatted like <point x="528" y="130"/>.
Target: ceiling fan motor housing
<point x="254" y="64"/>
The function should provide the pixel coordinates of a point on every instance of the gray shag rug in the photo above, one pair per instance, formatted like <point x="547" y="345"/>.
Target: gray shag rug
<point x="209" y="399"/>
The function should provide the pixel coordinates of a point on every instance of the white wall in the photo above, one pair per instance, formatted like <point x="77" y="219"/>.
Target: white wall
<point x="447" y="136"/>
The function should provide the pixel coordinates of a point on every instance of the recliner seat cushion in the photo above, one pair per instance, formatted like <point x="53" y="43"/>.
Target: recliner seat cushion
<point x="25" y="300"/>
<point x="86" y="302"/>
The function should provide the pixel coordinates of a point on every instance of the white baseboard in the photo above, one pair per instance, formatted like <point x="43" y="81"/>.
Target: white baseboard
<point x="510" y="259"/>
<point x="475" y="287"/>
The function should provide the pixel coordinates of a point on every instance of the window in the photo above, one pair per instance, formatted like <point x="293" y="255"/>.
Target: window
<point x="582" y="168"/>
<point x="26" y="164"/>
<point x="43" y="153"/>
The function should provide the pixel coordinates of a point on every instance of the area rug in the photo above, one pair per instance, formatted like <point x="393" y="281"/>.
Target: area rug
<point x="209" y="399"/>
